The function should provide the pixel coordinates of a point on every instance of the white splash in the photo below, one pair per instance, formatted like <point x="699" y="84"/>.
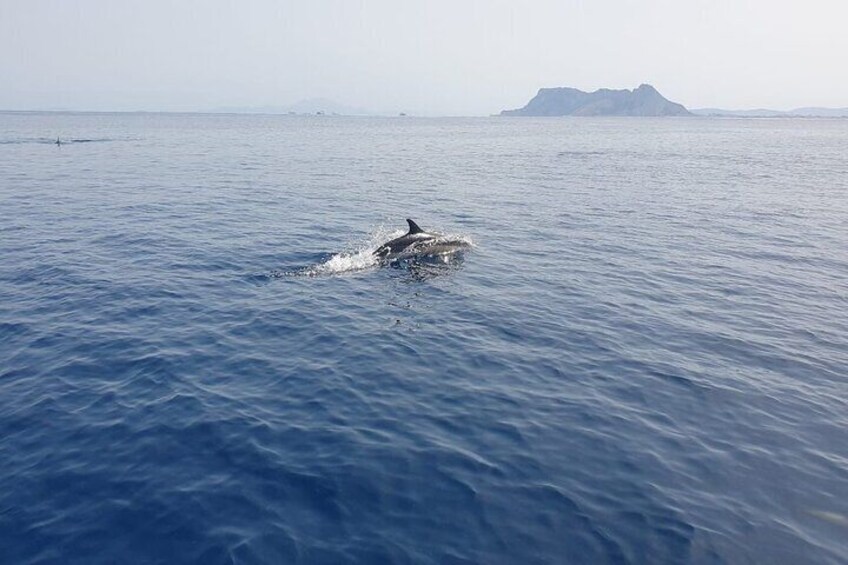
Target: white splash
<point x="358" y="257"/>
<point x="344" y="263"/>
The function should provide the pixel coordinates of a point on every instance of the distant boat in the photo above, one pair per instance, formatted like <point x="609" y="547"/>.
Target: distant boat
<point x="402" y="114"/>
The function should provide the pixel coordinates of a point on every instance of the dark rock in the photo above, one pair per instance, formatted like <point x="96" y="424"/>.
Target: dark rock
<point x="643" y="101"/>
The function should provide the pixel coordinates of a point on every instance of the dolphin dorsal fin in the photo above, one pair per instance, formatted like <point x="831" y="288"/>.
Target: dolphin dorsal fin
<point x="413" y="227"/>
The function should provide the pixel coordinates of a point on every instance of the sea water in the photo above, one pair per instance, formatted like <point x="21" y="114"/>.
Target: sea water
<point x="643" y="357"/>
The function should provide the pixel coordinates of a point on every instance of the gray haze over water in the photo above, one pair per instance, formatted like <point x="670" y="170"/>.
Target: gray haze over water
<point x="433" y="57"/>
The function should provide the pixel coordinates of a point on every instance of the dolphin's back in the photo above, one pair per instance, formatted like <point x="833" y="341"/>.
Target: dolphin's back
<point x="397" y="245"/>
<point x="417" y="242"/>
<point x="401" y="243"/>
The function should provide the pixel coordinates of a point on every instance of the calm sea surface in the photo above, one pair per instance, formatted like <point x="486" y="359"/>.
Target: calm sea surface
<point x="643" y="359"/>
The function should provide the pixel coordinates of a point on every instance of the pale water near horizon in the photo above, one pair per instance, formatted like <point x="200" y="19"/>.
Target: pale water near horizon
<point x="642" y="358"/>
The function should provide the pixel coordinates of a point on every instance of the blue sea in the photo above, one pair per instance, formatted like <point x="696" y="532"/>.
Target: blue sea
<point x="643" y="358"/>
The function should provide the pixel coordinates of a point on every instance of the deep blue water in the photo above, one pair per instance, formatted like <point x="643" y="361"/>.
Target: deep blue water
<point x="644" y="358"/>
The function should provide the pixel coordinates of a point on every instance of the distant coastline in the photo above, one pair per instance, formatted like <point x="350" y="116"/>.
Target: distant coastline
<point x="807" y="112"/>
<point x="603" y="102"/>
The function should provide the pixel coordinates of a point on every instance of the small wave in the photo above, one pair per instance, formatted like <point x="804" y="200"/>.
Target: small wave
<point x="52" y="141"/>
<point x="25" y="140"/>
<point x="580" y="154"/>
<point x="83" y="140"/>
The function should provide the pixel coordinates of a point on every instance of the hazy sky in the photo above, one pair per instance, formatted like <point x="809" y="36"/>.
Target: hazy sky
<point x="431" y="57"/>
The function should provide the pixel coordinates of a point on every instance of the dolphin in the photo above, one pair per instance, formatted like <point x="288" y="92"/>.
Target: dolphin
<point x="419" y="243"/>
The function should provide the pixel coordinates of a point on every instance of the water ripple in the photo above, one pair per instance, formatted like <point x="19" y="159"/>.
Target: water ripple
<point x="641" y="360"/>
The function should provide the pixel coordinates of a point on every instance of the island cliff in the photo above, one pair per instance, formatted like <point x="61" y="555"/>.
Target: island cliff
<point x="643" y="101"/>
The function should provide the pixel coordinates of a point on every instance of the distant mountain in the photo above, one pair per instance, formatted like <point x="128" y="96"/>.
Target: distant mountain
<point x="643" y="101"/>
<point x="756" y="113"/>
<point x="820" y="112"/>
<point x="310" y="106"/>
<point x="763" y="113"/>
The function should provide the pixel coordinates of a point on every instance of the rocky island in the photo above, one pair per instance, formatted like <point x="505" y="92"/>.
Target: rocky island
<point x="642" y="101"/>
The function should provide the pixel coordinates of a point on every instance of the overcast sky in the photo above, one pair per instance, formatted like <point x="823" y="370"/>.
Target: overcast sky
<point x="432" y="57"/>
